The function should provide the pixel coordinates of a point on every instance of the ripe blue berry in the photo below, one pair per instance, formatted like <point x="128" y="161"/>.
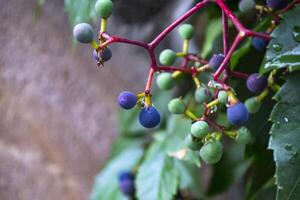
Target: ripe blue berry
<point x="237" y="114"/>
<point x="186" y="31"/>
<point x="106" y="54"/>
<point x="215" y="61"/>
<point x="246" y="5"/>
<point x="277" y="4"/>
<point x="165" y="81"/>
<point x="176" y="106"/>
<point x="202" y="95"/>
<point x="257" y="83"/>
<point x="192" y="142"/>
<point x="95" y="55"/>
<point x="104" y="8"/>
<point x="127" y="100"/>
<point x="83" y="33"/>
<point x="149" y="117"/>
<point x="126" y="183"/>
<point x="259" y="44"/>
<point x="167" y="57"/>
<point x="253" y="105"/>
<point x="211" y="152"/>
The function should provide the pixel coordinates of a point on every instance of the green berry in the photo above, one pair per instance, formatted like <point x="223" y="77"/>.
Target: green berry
<point x="222" y="97"/>
<point x="243" y="136"/>
<point x="167" y="57"/>
<point x="165" y="81"/>
<point x="253" y="105"/>
<point x="186" y="31"/>
<point x="104" y="8"/>
<point x="192" y="143"/>
<point x="176" y="106"/>
<point x="199" y="129"/>
<point x="83" y="33"/>
<point x="211" y="152"/>
<point x="202" y="95"/>
<point x="246" y="5"/>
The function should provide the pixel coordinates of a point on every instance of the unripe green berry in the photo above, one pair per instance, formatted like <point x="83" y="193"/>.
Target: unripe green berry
<point x="211" y="152"/>
<point x="202" y="95"/>
<point x="83" y="33"/>
<point x="199" y="129"/>
<point x="176" y="106"/>
<point x="104" y="8"/>
<point x="165" y="81"/>
<point x="192" y="143"/>
<point x="167" y="57"/>
<point x="253" y="105"/>
<point x="243" y="136"/>
<point x="186" y="31"/>
<point x="222" y="97"/>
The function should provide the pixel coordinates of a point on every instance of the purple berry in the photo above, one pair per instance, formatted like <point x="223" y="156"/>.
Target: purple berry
<point x="127" y="100"/>
<point x="149" y="117"/>
<point x="126" y="183"/>
<point x="95" y="55"/>
<point x="237" y="114"/>
<point x="125" y="175"/>
<point x="215" y="61"/>
<point x="259" y="44"/>
<point x="277" y="4"/>
<point x="257" y="83"/>
<point x="106" y="54"/>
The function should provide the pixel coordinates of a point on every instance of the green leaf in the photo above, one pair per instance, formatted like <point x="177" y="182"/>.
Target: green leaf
<point x="129" y="124"/>
<point x="285" y="139"/>
<point x="106" y="183"/>
<point x="156" y="178"/>
<point x="284" y="49"/>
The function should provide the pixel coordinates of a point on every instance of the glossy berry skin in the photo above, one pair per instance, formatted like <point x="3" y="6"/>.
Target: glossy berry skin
<point x="104" y="8"/>
<point x="253" y="105"/>
<point x="277" y="4"/>
<point x="260" y="44"/>
<point x="127" y="100"/>
<point x="176" y="106"/>
<point x="95" y="55"/>
<point x="222" y="97"/>
<point x="257" y="83"/>
<point x="243" y="136"/>
<point x="167" y="57"/>
<point x="199" y="129"/>
<point x="211" y="152"/>
<point x="215" y="61"/>
<point x="105" y="55"/>
<point x="186" y="31"/>
<point x="246" y="5"/>
<point x="202" y="95"/>
<point x="149" y="117"/>
<point x="83" y="33"/>
<point x="237" y="114"/>
<point x="126" y="183"/>
<point x="165" y="81"/>
<point x="192" y="143"/>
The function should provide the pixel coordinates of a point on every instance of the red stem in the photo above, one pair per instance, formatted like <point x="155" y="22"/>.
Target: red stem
<point x="149" y="81"/>
<point x="239" y="74"/>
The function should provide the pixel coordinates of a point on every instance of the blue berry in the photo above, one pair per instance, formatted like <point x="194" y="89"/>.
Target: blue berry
<point x="277" y="4"/>
<point x="127" y="100"/>
<point x="257" y="83"/>
<point x="106" y="54"/>
<point x="95" y="55"/>
<point x="237" y="114"/>
<point x="83" y="33"/>
<point x="215" y="61"/>
<point x="259" y="44"/>
<point x="149" y="117"/>
<point x="125" y="175"/>
<point x="126" y="183"/>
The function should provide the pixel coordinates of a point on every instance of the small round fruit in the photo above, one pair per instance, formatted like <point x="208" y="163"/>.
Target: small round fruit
<point x="125" y="175"/>
<point x="127" y="100"/>
<point x="215" y="61"/>
<point x="83" y="33"/>
<point x="246" y="5"/>
<point x="186" y="31"/>
<point x="237" y="114"/>
<point x="260" y="44"/>
<point x="199" y="129"/>
<point x="149" y="117"/>
<point x="126" y="183"/>
<point x="257" y="83"/>
<point x="165" y="81"/>
<point x="167" y="57"/>
<point x="202" y="95"/>
<point x="105" y="55"/>
<point x="176" y="106"/>
<point x="192" y="143"/>
<point x="222" y="97"/>
<point x="277" y="4"/>
<point x="95" y="55"/>
<point x="253" y="105"/>
<point x="104" y="8"/>
<point x="211" y="152"/>
<point x="243" y="136"/>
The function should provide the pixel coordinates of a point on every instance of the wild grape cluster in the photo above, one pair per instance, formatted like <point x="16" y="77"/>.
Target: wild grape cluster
<point x="216" y="96"/>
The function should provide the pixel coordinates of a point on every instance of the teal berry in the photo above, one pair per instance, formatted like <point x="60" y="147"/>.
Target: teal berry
<point x="246" y="5"/>
<point x="202" y="95"/>
<point x="167" y="57"/>
<point x="104" y="8"/>
<point x="165" y="81"/>
<point x="199" y="129"/>
<point x="211" y="152"/>
<point x="186" y="31"/>
<point x="253" y="105"/>
<point x="222" y="97"/>
<point x="176" y="106"/>
<point x="243" y="136"/>
<point x="192" y="143"/>
<point x="83" y="33"/>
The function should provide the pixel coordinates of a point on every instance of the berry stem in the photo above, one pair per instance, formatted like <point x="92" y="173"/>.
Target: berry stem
<point x="190" y="114"/>
<point x="240" y="75"/>
<point x="149" y="80"/>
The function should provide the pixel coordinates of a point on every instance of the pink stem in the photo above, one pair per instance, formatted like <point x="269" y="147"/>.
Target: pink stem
<point x="149" y="81"/>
